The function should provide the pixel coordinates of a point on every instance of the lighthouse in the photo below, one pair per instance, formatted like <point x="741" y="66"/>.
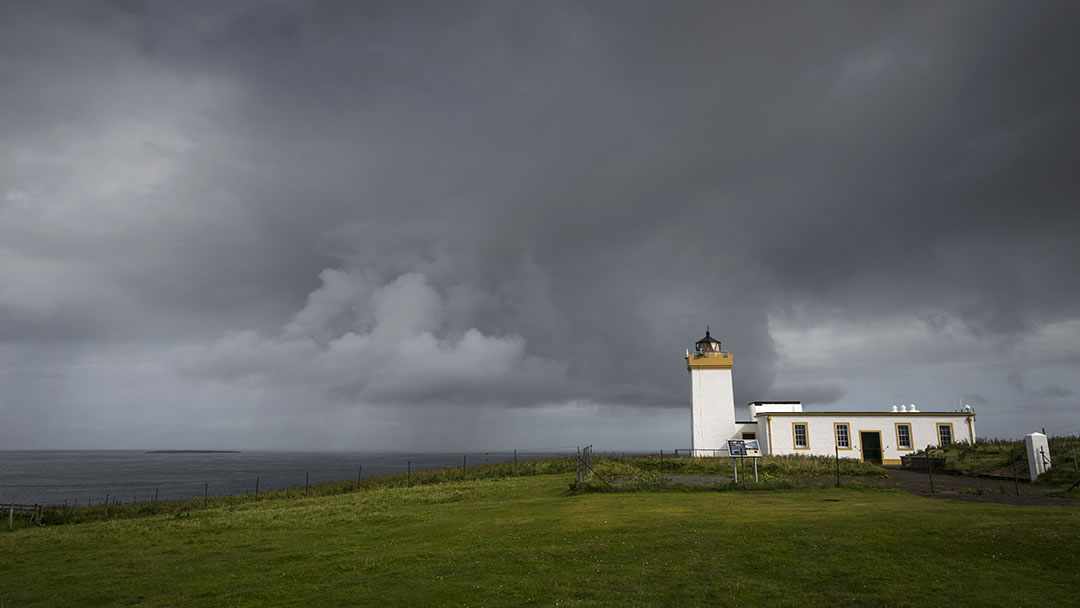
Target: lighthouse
<point x="784" y="428"/>
<point x="712" y="414"/>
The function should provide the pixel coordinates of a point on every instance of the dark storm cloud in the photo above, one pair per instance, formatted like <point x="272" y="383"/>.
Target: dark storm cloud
<point x="975" y="398"/>
<point x="528" y="204"/>
<point x="945" y="181"/>
<point x="1016" y="380"/>
<point x="814" y="394"/>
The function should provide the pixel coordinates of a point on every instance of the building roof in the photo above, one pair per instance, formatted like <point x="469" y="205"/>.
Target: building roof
<point x="898" y="414"/>
<point x="708" y="339"/>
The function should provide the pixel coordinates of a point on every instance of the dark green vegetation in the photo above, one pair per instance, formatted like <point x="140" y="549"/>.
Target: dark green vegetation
<point x="999" y="456"/>
<point x="525" y="540"/>
<point x="770" y="468"/>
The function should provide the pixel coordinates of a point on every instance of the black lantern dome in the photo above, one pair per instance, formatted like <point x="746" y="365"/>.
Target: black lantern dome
<point x="708" y="344"/>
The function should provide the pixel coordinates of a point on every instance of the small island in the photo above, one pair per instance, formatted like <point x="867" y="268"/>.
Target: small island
<point x="193" y="452"/>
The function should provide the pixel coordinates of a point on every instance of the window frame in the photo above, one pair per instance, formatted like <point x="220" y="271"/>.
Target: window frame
<point x="952" y="433"/>
<point x="836" y="435"/>
<point x="911" y="437"/>
<point x="795" y="438"/>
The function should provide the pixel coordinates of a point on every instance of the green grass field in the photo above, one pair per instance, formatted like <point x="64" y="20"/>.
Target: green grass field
<point x="522" y="541"/>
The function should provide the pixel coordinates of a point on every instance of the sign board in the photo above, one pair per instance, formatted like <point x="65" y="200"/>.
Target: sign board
<point x="741" y="448"/>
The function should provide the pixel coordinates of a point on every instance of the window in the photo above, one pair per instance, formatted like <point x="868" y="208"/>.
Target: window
<point x="802" y="438"/>
<point x="843" y="436"/>
<point x="903" y="436"/>
<point x="944" y="433"/>
<point x="749" y="435"/>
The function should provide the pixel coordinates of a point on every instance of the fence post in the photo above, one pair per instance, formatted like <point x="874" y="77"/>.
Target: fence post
<point x="577" y="468"/>
<point x="661" y="465"/>
<point x="837" y="450"/>
<point x="515" y="459"/>
<point x="929" y="469"/>
<point x="256" y="488"/>
<point x="464" y="462"/>
<point x="11" y="516"/>
<point x="359" y="472"/>
<point x="155" y="495"/>
<point x="1016" y="478"/>
<point x="408" y="479"/>
<point x="205" y="493"/>
<point x="306" y="477"/>
<point x="1076" y="465"/>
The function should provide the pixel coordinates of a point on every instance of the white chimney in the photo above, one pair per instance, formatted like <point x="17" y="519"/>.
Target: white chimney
<point x="894" y="410"/>
<point x="912" y="408"/>
<point x="903" y="408"/>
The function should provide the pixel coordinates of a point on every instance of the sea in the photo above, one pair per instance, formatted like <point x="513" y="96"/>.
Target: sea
<point x="81" y="478"/>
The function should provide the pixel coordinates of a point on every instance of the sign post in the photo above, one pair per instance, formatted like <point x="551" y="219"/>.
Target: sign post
<point x="744" y="448"/>
<point x="737" y="449"/>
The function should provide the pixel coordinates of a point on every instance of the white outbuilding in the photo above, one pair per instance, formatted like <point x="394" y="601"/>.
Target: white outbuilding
<point x="783" y="427"/>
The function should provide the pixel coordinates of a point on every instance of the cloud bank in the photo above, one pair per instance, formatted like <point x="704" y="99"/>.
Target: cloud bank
<point x="385" y="344"/>
<point x="310" y="207"/>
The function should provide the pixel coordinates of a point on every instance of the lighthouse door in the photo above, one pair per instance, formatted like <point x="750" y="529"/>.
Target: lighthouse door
<point x="871" y="446"/>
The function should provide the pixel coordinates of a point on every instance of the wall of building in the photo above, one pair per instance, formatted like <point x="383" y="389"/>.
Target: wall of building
<point x="763" y="436"/>
<point x="742" y="428"/>
<point x="776" y="431"/>
<point x="712" y="421"/>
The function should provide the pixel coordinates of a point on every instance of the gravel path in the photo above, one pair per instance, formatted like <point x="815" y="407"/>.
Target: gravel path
<point x="976" y="489"/>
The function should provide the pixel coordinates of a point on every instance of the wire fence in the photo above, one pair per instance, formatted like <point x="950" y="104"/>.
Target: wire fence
<point x="417" y="472"/>
<point x="87" y="483"/>
<point x="926" y="467"/>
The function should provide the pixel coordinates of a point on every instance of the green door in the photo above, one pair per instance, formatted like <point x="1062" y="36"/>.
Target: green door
<point x="871" y="446"/>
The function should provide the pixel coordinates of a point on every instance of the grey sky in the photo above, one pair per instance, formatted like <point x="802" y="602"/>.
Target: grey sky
<point x="491" y="225"/>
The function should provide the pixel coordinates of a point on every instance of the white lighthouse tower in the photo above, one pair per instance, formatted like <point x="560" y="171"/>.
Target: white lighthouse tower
<point x="712" y="415"/>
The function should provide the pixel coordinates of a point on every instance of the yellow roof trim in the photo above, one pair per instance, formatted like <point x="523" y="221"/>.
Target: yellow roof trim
<point x="710" y="360"/>
<point x="867" y="414"/>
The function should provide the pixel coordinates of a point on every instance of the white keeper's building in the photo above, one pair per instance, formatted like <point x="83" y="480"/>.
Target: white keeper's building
<point x="782" y="427"/>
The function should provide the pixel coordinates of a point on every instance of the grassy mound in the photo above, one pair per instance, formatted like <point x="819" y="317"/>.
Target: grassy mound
<point x="774" y="472"/>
